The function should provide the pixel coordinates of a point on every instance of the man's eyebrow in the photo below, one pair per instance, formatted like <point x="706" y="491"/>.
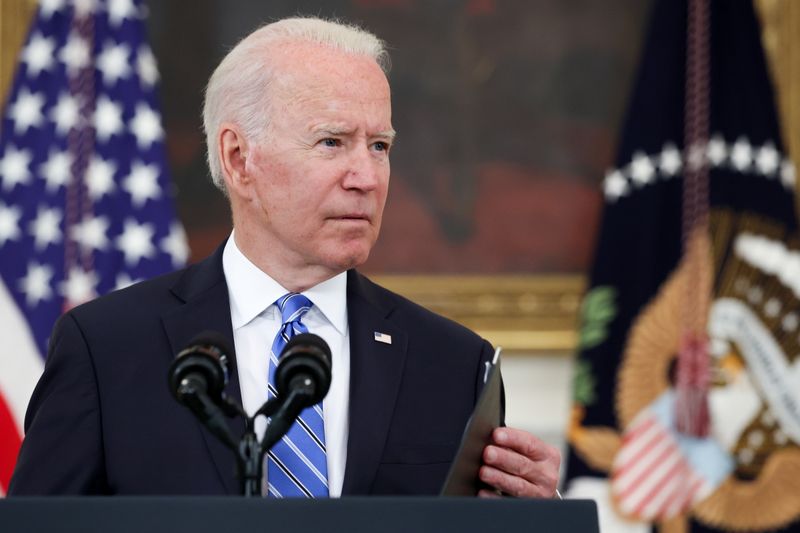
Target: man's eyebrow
<point x="333" y="130"/>
<point x="391" y="135"/>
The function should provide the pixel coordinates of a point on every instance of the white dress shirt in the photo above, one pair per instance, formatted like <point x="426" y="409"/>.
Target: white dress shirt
<point x="256" y="320"/>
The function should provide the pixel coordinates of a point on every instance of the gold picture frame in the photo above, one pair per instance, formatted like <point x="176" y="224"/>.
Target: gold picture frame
<point x="530" y="314"/>
<point x="14" y="21"/>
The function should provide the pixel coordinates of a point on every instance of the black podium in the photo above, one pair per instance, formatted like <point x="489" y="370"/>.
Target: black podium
<point x="351" y="515"/>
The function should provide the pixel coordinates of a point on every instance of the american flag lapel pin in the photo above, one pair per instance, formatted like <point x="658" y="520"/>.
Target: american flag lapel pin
<point x="383" y="337"/>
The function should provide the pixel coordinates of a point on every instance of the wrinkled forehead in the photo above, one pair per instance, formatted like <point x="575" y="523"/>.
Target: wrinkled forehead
<point x="299" y="66"/>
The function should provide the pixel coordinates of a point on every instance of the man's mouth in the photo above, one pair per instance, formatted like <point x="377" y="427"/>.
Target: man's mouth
<point x="354" y="217"/>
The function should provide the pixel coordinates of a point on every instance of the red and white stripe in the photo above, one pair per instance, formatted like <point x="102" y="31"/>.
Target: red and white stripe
<point x="651" y="479"/>
<point x="20" y="368"/>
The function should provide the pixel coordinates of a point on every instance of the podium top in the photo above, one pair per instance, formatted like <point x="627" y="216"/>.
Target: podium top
<point x="354" y="515"/>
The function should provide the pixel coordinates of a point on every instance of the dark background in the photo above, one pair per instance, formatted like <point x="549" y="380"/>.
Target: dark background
<point x="506" y="112"/>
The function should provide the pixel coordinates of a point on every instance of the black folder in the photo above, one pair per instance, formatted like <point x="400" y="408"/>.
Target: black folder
<point x="462" y="480"/>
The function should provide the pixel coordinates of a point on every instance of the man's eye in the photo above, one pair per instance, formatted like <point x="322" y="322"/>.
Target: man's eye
<point x="381" y="146"/>
<point x="331" y="142"/>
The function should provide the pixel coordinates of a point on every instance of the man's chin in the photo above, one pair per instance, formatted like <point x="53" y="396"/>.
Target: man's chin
<point x="347" y="257"/>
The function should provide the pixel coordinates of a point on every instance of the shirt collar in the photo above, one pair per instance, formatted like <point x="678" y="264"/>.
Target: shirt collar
<point x="252" y="291"/>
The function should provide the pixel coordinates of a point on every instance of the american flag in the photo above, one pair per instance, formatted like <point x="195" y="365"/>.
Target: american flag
<point x="85" y="200"/>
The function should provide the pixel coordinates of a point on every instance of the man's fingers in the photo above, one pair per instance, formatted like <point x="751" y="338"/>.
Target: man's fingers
<point x="522" y="442"/>
<point x="520" y="464"/>
<point x="542" y="474"/>
<point x="511" y="484"/>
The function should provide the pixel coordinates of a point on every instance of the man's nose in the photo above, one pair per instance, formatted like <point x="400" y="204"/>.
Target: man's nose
<point x="364" y="169"/>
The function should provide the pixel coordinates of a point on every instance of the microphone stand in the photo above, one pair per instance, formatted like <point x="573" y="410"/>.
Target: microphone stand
<point x="283" y="413"/>
<point x="249" y="451"/>
<point x="209" y="413"/>
<point x="305" y="374"/>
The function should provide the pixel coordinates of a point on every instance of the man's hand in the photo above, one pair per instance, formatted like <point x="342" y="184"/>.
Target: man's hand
<point x="518" y="464"/>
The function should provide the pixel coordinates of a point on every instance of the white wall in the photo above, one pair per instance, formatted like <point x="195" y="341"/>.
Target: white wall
<point x="539" y="394"/>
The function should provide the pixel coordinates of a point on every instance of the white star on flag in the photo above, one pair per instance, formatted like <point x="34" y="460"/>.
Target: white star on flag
<point x="741" y="155"/>
<point x="75" y="54"/>
<point x="136" y="241"/>
<point x="14" y="168"/>
<point x="146" y="66"/>
<point x="84" y="8"/>
<point x="92" y="233"/>
<point x="9" y="223"/>
<point x="146" y="126"/>
<point x="642" y="170"/>
<point x="45" y="228"/>
<point x="119" y="10"/>
<point x="107" y="119"/>
<point x="100" y="177"/>
<point x="55" y="170"/>
<point x="670" y="160"/>
<point x="615" y="185"/>
<point x="65" y="114"/>
<point x="176" y="245"/>
<point x="79" y="287"/>
<point x="26" y="111"/>
<point x="767" y="159"/>
<point x="48" y="7"/>
<point x="142" y="183"/>
<point x="38" y="54"/>
<point x="716" y="151"/>
<point x="697" y="156"/>
<point x="113" y="62"/>
<point x="36" y="283"/>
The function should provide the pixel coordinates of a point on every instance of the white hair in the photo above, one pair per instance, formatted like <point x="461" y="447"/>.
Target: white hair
<point x="238" y="89"/>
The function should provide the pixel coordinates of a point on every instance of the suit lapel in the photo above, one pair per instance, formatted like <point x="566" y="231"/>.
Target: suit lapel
<point x="376" y="370"/>
<point x="204" y="292"/>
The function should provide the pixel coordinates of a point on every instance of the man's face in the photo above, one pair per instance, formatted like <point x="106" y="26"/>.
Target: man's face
<point x="321" y="172"/>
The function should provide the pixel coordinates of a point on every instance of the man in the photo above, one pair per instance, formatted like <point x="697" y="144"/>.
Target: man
<point x="298" y="124"/>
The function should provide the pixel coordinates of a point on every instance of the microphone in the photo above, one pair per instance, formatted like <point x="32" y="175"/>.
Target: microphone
<point x="197" y="378"/>
<point x="302" y="379"/>
<point x="304" y="367"/>
<point x="200" y="367"/>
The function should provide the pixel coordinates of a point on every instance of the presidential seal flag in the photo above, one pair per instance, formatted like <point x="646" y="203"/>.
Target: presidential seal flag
<point x="687" y="391"/>
<point x="85" y="199"/>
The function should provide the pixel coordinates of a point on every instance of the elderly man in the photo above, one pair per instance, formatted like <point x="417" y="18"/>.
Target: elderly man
<point x="299" y="131"/>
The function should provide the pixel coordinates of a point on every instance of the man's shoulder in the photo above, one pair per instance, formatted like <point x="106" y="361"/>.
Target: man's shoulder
<point x="131" y="303"/>
<point x="149" y="296"/>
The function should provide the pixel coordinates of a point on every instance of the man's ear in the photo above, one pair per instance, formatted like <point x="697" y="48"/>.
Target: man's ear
<point x="233" y="159"/>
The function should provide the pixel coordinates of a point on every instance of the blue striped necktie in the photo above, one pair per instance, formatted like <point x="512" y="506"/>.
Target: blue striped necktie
<point x="296" y="465"/>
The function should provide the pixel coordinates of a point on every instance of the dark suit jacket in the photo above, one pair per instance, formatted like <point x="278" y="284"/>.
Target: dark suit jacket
<point x="102" y="420"/>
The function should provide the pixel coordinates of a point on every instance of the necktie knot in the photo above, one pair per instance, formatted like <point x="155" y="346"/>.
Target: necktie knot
<point x="293" y="306"/>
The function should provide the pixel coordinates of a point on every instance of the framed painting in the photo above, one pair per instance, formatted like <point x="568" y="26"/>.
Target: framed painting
<point x="506" y="112"/>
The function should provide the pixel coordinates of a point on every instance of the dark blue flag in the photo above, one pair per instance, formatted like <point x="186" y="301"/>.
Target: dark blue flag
<point x="86" y="204"/>
<point x="687" y="392"/>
